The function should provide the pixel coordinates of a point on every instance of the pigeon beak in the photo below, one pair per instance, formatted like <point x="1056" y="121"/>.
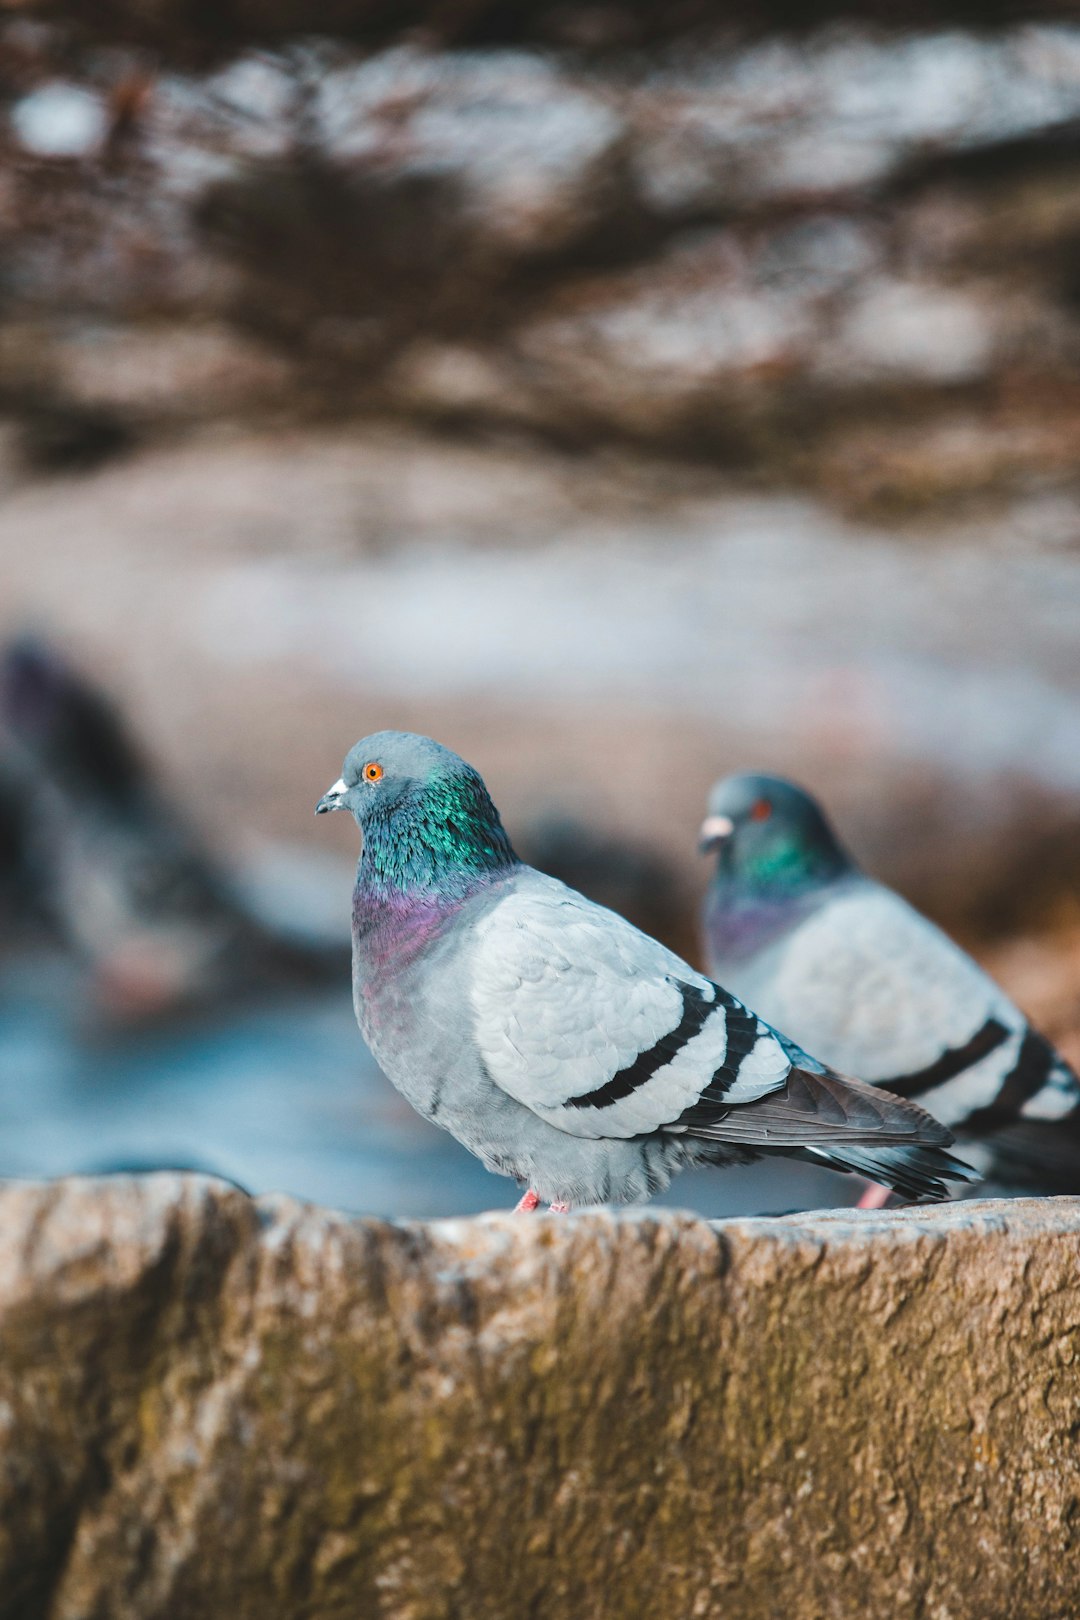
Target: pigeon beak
<point x="714" y="830"/>
<point x="333" y="798"/>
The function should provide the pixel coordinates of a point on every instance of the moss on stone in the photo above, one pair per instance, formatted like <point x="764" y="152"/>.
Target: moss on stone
<point x="221" y="1409"/>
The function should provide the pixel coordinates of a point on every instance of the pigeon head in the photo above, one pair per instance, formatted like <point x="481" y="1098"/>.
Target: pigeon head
<point x="770" y="836"/>
<point x="426" y="816"/>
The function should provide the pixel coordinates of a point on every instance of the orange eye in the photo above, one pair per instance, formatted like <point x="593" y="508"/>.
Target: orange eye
<point x="372" y="772"/>
<point x="760" y="810"/>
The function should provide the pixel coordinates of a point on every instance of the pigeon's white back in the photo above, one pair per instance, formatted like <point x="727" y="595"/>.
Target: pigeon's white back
<point x="870" y="986"/>
<point x="876" y="990"/>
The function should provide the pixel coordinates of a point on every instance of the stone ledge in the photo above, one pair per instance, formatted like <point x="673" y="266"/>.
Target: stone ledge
<point x="218" y="1407"/>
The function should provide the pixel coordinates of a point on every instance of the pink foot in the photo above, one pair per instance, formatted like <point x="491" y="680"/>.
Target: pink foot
<point x="558" y="1209"/>
<point x="874" y="1197"/>
<point x="527" y="1203"/>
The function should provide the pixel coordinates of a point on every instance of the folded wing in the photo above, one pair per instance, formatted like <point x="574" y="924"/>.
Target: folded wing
<point x="601" y="1031"/>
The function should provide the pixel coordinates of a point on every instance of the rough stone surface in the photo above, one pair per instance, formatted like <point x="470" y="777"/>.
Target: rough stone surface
<point x="217" y="1407"/>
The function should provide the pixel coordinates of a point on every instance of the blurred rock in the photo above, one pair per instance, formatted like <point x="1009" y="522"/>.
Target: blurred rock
<point x="783" y="254"/>
<point x="217" y="1407"/>
<point x="180" y="30"/>
<point x="415" y="189"/>
<point x="535" y="162"/>
<point x="819" y="118"/>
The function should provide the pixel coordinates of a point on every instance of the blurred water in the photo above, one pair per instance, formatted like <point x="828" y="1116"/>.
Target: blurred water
<point x="281" y="1097"/>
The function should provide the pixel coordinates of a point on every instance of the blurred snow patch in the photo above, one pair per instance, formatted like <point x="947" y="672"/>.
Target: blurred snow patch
<point x="60" y="120"/>
<point x="930" y="333"/>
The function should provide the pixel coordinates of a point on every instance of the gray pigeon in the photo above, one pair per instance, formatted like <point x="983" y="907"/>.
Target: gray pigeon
<point x="851" y="969"/>
<point x="554" y="1040"/>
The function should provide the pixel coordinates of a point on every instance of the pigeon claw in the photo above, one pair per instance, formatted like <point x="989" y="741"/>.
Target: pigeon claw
<point x="558" y="1209"/>
<point x="527" y="1203"/>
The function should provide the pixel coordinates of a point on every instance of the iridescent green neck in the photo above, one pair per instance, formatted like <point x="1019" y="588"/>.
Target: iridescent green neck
<point x="443" y="839"/>
<point x="783" y="869"/>
<point x="751" y="905"/>
<point x="788" y="866"/>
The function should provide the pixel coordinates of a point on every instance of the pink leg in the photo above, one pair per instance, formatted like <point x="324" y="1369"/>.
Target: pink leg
<point x="558" y="1209"/>
<point x="874" y="1197"/>
<point x="527" y="1203"/>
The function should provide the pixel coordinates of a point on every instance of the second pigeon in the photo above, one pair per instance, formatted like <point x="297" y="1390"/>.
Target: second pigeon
<point x="847" y="966"/>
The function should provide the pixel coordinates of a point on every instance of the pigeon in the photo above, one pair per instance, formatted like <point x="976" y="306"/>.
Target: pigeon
<point x="871" y="986"/>
<point x="561" y="1045"/>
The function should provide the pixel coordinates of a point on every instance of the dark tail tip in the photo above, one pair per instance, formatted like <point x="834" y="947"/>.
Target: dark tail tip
<point x="919" y="1173"/>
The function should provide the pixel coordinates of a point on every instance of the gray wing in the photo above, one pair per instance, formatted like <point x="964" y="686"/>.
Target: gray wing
<point x="873" y="987"/>
<point x="602" y="1032"/>
<point x="876" y="990"/>
<point x="598" y="1029"/>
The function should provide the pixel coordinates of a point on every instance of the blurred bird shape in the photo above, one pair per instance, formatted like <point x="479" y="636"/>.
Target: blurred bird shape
<point x="127" y="882"/>
<point x="23" y="912"/>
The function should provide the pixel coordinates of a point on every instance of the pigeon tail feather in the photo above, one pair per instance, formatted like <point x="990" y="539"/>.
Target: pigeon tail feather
<point x="918" y="1173"/>
<point x="850" y="1126"/>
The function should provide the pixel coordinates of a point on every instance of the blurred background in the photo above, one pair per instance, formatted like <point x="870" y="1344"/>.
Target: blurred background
<point x="625" y="395"/>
